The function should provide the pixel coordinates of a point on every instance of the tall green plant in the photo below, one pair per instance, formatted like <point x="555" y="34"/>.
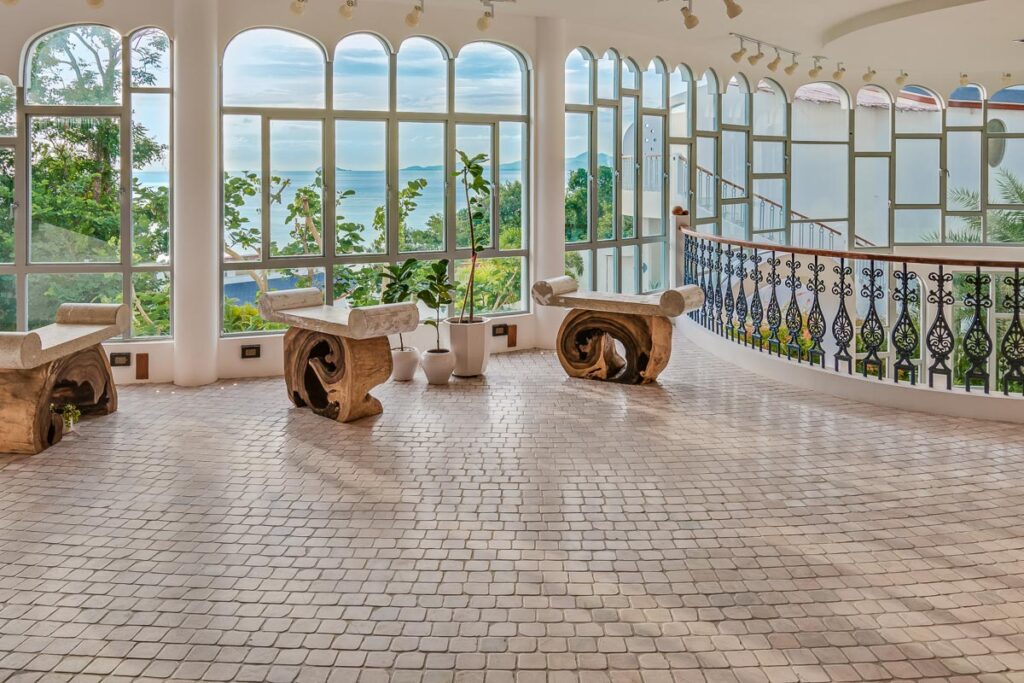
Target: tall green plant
<point x="437" y="291"/>
<point x="478" y="198"/>
<point x="398" y="287"/>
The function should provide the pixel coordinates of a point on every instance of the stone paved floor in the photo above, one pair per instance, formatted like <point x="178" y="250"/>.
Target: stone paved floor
<point x="526" y="527"/>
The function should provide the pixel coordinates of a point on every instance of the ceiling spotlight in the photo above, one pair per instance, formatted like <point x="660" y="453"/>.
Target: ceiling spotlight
<point x="816" y="70"/>
<point x="839" y="72"/>
<point x="484" y="22"/>
<point x="1007" y="78"/>
<point x="869" y="75"/>
<point x="755" y="59"/>
<point x="791" y="69"/>
<point x="412" y="19"/>
<point x="774" y="65"/>
<point x="690" y="20"/>
<point x="739" y="54"/>
<point x="733" y="8"/>
<point x="298" y="6"/>
<point x="95" y="4"/>
<point x="965" y="79"/>
<point x="347" y="9"/>
<point x="902" y="78"/>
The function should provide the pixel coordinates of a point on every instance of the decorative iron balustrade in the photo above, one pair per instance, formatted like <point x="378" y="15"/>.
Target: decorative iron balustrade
<point x="900" y="319"/>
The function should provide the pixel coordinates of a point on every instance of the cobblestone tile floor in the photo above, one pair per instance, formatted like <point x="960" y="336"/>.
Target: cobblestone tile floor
<point x="524" y="527"/>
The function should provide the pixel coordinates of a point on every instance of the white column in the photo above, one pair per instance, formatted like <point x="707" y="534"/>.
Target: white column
<point x="196" y="242"/>
<point x="549" y="167"/>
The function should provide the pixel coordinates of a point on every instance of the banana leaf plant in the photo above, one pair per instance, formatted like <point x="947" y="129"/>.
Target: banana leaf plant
<point x="478" y="200"/>
<point x="399" y="286"/>
<point x="437" y="291"/>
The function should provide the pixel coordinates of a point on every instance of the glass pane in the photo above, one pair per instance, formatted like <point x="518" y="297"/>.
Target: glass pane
<point x="963" y="229"/>
<point x="872" y="121"/>
<point x="629" y="165"/>
<point x="734" y="221"/>
<point x="605" y="173"/>
<point x="819" y="235"/>
<point x="679" y="181"/>
<point x="963" y="159"/>
<point x="734" y="164"/>
<point x="820" y="181"/>
<point x="607" y="70"/>
<point x="296" y="186"/>
<point x="513" y="208"/>
<point x="917" y="171"/>
<point x="769" y="205"/>
<point x="606" y="265"/>
<point x="8" y="304"/>
<point x="630" y="75"/>
<point x="654" y="176"/>
<point x="707" y="182"/>
<point x="577" y="177"/>
<point x="680" y="93"/>
<point x="242" y="291"/>
<point x="79" y="65"/>
<point x="76" y="190"/>
<point x="268" y="67"/>
<point x="488" y="79"/>
<point x="918" y="225"/>
<point x="630" y="265"/>
<point x="653" y="271"/>
<point x="769" y="157"/>
<point x="361" y="160"/>
<point x="422" y="77"/>
<point x="243" y="188"/>
<point x="472" y="140"/>
<point x="151" y="179"/>
<point x="1005" y="106"/>
<point x="577" y="78"/>
<point x="151" y="305"/>
<point x="872" y="227"/>
<point x="8" y="102"/>
<point x="46" y="292"/>
<point x="735" y="104"/>
<point x="918" y="111"/>
<point x="769" y="110"/>
<point x="421" y="182"/>
<point x="361" y="68"/>
<point x="357" y="284"/>
<point x="707" y="102"/>
<point x="498" y="287"/>
<point x="6" y="205"/>
<point x="1006" y="173"/>
<point x="151" y="59"/>
<point x="1006" y="226"/>
<point x="964" y="107"/>
<point x="820" y="114"/>
<point x="654" y="86"/>
<point x="579" y="264"/>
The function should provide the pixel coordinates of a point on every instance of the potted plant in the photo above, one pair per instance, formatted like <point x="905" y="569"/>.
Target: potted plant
<point x="436" y="292"/>
<point x="398" y="288"/>
<point x="468" y="332"/>
<point x="69" y="414"/>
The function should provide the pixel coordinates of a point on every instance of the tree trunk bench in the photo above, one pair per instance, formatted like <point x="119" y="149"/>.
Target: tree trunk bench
<point x="333" y="357"/>
<point x="53" y="366"/>
<point x="586" y="341"/>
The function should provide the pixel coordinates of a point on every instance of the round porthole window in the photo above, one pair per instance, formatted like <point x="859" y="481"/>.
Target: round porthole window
<point x="996" y="146"/>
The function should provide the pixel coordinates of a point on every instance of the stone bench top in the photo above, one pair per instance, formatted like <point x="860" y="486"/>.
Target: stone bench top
<point x="78" y="327"/>
<point x="563" y="292"/>
<point x="304" y="308"/>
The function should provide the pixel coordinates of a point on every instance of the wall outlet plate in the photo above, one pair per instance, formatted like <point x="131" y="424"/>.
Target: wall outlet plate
<point x="499" y="330"/>
<point x="251" y="351"/>
<point x="120" y="360"/>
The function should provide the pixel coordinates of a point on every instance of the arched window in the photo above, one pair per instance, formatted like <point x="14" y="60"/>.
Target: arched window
<point x="95" y="233"/>
<point x="268" y="67"/>
<point x="769" y="216"/>
<point x="489" y="79"/>
<point x="707" y="101"/>
<point x="820" y="168"/>
<point x="680" y="102"/>
<point x="422" y="76"/>
<point x="8" y="96"/>
<point x="608" y="71"/>
<point x="918" y="197"/>
<point x="735" y="169"/>
<point x="8" y="129"/>
<point x="578" y="69"/>
<point x="654" y="85"/>
<point x="965" y="107"/>
<point x="736" y="102"/>
<point x="873" y="144"/>
<point x="918" y="111"/>
<point x="769" y="110"/>
<point x="362" y="73"/>
<point x="1005" y="165"/>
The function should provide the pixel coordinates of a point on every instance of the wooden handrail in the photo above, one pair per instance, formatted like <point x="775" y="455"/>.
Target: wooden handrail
<point x="856" y="255"/>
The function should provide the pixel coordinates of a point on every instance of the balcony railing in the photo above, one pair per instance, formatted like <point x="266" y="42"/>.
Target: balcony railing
<point x="952" y="322"/>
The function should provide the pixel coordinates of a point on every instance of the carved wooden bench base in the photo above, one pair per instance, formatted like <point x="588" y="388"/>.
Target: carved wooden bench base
<point x="333" y="375"/>
<point x="27" y="425"/>
<point x="586" y="346"/>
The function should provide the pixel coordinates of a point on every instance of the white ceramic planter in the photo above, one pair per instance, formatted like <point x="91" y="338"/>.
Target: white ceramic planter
<point x="405" y="362"/>
<point x="471" y="344"/>
<point x="438" y="366"/>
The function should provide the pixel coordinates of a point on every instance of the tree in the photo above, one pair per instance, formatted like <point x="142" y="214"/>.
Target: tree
<point x="1003" y="226"/>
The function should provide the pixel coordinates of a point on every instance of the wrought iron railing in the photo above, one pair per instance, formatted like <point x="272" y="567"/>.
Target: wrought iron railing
<point x="901" y="318"/>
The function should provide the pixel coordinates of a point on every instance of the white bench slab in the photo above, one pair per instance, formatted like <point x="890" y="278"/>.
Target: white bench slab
<point x="78" y="327"/>
<point x="304" y="308"/>
<point x="563" y="292"/>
